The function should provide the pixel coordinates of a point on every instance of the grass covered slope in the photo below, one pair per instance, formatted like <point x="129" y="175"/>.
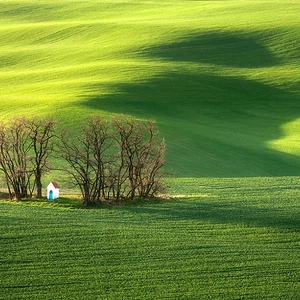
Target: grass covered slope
<point x="230" y="239"/>
<point x="220" y="77"/>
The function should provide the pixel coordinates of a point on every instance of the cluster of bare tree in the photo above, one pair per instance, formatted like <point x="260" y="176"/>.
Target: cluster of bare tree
<point x="25" y="146"/>
<point x="116" y="159"/>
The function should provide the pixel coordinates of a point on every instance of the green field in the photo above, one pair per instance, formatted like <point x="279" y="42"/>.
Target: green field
<point x="229" y="239"/>
<point x="221" y="79"/>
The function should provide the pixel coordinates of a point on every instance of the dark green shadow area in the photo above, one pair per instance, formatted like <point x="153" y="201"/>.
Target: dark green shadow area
<point x="249" y="202"/>
<point x="221" y="213"/>
<point x="214" y="126"/>
<point x="235" y="50"/>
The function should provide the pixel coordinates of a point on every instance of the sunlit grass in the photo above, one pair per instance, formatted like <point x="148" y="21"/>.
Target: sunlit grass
<point x="289" y="142"/>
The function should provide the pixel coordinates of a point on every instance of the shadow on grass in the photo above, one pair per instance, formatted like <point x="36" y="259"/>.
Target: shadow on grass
<point x="236" y="213"/>
<point x="227" y="49"/>
<point x="4" y="195"/>
<point x="214" y="126"/>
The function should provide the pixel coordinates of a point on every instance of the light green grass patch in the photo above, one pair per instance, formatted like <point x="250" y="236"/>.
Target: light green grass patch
<point x="290" y="142"/>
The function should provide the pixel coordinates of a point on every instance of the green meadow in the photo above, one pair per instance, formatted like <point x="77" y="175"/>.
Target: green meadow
<point x="228" y="239"/>
<point x="221" y="79"/>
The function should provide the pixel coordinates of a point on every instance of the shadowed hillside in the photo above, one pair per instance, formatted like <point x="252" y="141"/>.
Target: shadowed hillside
<point x="215" y="125"/>
<point x="220" y="77"/>
<point x="237" y="49"/>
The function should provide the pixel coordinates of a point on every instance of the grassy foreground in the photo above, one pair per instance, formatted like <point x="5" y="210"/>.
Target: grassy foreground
<point x="229" y="239"/>
<point x="220" y="77"/>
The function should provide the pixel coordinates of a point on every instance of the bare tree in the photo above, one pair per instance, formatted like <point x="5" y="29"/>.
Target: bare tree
<point x="87" y="157"/>
<point x="141" y="154"/>
<point x="98" y="135"/>
<point x="122" y="158"/>
<point x="15" y="158"/>
<point x="41" y="134"/>
<point x="149" y="174"/>
<point x="25" y="146"/>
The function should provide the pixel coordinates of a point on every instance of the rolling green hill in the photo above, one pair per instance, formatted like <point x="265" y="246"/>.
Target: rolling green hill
<point x="221" y="78"/>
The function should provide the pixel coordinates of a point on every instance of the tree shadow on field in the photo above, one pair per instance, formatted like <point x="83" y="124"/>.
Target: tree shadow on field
<point x="226" y="49"/>
<point x="226" y="212"/>
<point x="4" y="195"/>
<point x="215" y="126"/>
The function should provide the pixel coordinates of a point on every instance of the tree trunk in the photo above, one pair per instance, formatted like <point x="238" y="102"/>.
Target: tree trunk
<point x="39" y="188"/>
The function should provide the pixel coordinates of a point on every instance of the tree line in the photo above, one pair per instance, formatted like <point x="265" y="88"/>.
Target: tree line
<point x="106" y="159"/>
